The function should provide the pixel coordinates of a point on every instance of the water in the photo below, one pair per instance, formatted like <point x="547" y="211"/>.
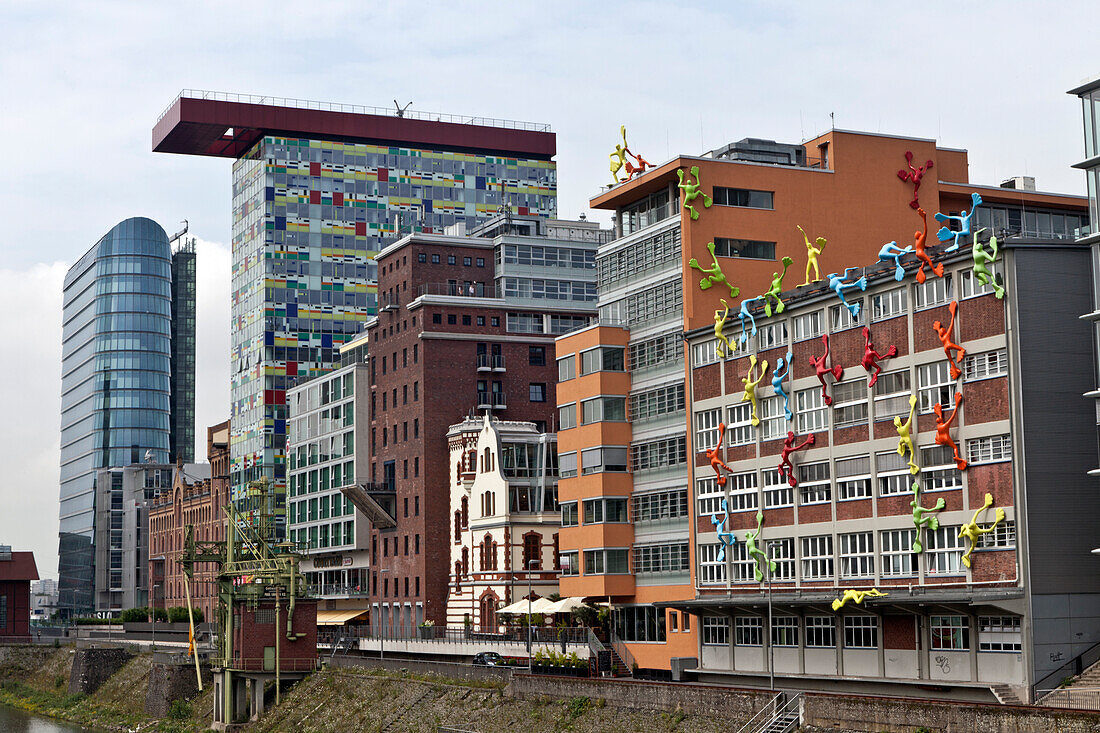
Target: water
<point x="13" y="720"/>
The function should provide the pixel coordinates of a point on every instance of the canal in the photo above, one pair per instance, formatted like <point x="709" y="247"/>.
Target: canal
<point x="13" y="720"/>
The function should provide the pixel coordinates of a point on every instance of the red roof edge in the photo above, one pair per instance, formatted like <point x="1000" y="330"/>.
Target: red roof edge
<point x="20" y="567"/>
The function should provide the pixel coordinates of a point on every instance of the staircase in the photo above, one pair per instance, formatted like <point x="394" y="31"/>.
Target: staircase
<point x="1006" y="695"/>
<point x="1083" y="693"/>
<point x="780" y="715"/>
<point x="411" y="708"/>
<point x="618" y="665"/>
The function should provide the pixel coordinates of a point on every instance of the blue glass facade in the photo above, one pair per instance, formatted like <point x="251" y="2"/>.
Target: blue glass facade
<point x="115" y="381"/>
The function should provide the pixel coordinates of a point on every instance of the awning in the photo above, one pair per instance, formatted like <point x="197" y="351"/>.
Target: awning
<point x="338" y="618"/>
<point x="538" y="605"/>
<point x="565" y="605"/>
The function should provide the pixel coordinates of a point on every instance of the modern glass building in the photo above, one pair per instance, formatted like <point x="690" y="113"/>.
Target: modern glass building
<point x="116" y="382"/>
<point x="182" y="437"/>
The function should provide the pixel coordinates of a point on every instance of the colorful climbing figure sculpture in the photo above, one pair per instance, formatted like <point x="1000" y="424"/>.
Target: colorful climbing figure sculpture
<point x="891" y="251"/>
<point x="786" y="469"/>
<point x="949" y="346"/>
<point x="775" y="289"/>
<point x="905" y="439"/>
<point x="691" y="191"/>
<point x="964" y="218"/>
<point x="838" y="286"/>
<point x="725" y="537"/>
<point x="820" y="369"/>
<point x="782" y="369"/>
<point x="751" y="385"/>
<point x="713" y="275"/>
<point x="923" y="517"/>
<point x="618" y="158"/>
<point x="919" y="240"/>
<point x="751" y="538"/>
<point x="811" y="256"/>
<point x="972" y="531"/>
<point x="723" y="348"/>
<point x="914" y="175"/>
<point x="713" y="454"/>
<point x="871" y="358"/>
<point x="982" y="260"/>
<point x="856" y="596"/>
<point x="640" y="164"/>
<point x="743" y="314"/>
<point x="943" y="430"/>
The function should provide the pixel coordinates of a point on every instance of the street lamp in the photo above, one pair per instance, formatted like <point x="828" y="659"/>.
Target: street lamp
<point x="154" y="612"/>
<point x="530" y="621"/>
<point x="382" y="626"/>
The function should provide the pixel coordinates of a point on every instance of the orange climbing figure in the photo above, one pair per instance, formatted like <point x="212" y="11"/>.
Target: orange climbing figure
<point x="905" y="439"/>
<point x="632" y="169"/>
<point x="943" y="430"/>
<point x="712" y="454"/>
<point x="691" y="191"/>
<point x="811" y="256"/>
<point x="720" y="318"/>
<point x="950" y="346"/>
<point x="751" y="385"/>
<point x="971" y="531"/>
<point x="919" y="239"/>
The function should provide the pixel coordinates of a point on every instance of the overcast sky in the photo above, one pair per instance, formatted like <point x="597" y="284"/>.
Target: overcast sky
<point x="81" y="85"/>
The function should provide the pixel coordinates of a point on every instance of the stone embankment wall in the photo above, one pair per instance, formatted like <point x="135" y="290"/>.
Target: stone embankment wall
<point x="93" y="667"/>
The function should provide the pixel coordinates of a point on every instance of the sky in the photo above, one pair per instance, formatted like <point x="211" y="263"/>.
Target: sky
<point x="81" y="85"/>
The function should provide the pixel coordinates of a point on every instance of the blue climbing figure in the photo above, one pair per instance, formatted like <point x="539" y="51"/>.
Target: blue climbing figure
<point x="891" y="251"/>
<point x="838" y="286"/>
<point x="743" y="314"/>
<point x="964" y="218"/>
<point x="725" y="537"/>
<point x="782" y="368"/>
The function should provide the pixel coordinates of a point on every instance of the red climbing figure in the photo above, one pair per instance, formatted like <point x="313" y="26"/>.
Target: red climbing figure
<point x="712" y="454"/>
<point x="950" y="346"/>
<point x="871" y="358"/>
<point x="785" y="467"/>
<point x="914" y="175"/>
<point x="943" y="430"/>
<point x="918" y="247"/>
<point x="818" y="363"/>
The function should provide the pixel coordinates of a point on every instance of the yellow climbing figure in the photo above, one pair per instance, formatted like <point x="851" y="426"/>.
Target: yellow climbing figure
<point x="811" y="256"/>
<point x="720" y="318"/>
<point x="751" y="385"/>
<point x="618" y="157"/>
<point x="905" y="440"/>
<point x="971" y="531"/>
<point x="856" y="596"/>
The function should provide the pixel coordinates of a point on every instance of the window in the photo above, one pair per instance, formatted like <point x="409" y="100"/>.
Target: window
<point x="773" y="418"/>
<point x="704" y="353"/>
<point x="494" y="321"/>
<point x="892" y="392"/>
<point x="742" y="491"/>
<point x="841" y="319"/>
<point x="465" y="322"/>
<point x="817" y="557"/>
<point x="658" y="454"/>
<point x="785" y="631"/>
<point x="538" y="392"/>
<point x="771" y="335"/>
<point x="744" y="197"/>
<point x="986" y="365"/>
<point x="598" y="511"/>
<point x="898" y="559"/>
<point x="814" y="484"/>
<point x="706" y="429"/>
<point x="708" y="496"/>
<point x="522" y="323"/>
<point x="467" y="261"/>
<point x="452" y="319"/>
<point x="421" y="257"/>
<point x="673" y="621"/>
<point x="808" y="326"/>
<point x="568" y="513"/>
<point x="567" y="465"/>
<point x="893" y="474"/>
<point x="663" y="349"/>
<point x="748" y="631"/>
<point x="536" y="355"/>
<point x="435" y="259"/>
<point x="950" y="633"/>
<point x="716" y="631"/>
<point x="820" y="632"/>
<point x="594" y="460"/>
<point x="567" y="416"/>
<point x="606" y="562"/>
<point x="1002" y="536"/>
<point x="850" y="403"/>
<point x="990" y="449"/>
<point x="603" y="409"/>
<point x="745" y="248"/>
<point x="570" y="563"/>
<point x="663" y="558"/>
<point x="853" y="478"/>
<point x="639" y="623"/>
<point x="567" y="368"/>
<point x="644" y="255"/>
<point x="939" y="472"/>
<point x="777" y="492"/>
<point x="971" y="287"/>
<point x="890" y="304"/>
<point x="861" y="632"/>
<point x="656" y="402"/>
<point x="481" y="262"/>
<point x="857" y="555"/>
<point x="711" y="571"/>
<point x="452" y="260"/>
<point x="934" y="291"/>
<point x="935" y="385"/>
<point x="659" y="505"/>
<point x="810" y="410"/>
<point x="781" y="552"/>
<point x="999" y="634"/>
<point x="602" y="359"/>
<point x="658" y="302"/>
<point x="743" y="564"/>
<point x="739" y="424"/>
<point x="943" y="549"/>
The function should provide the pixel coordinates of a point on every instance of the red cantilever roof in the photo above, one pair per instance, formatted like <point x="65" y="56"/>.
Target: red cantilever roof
<point x="205" y="123"/>
<point x="20" y="567"/>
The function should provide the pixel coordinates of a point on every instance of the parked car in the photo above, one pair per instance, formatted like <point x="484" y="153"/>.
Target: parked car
<point x="488" y="659"/>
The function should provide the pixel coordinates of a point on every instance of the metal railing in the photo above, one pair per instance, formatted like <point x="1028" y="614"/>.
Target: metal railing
<point x="1072" y="699"/>
<point x="335" y="589"/>
<point x="354" y="109"/>
<point x="507" y="635"/>
<point x="1071" y="668"/>
<point x="386" y="301"/>
<point x="763" y="715"/>
<point x="624" y="653"/>
<point x="490" y="361"/>
<point x="459" y="290"/>
<point x="257" y="664"/>
<point x="492" y="399"/>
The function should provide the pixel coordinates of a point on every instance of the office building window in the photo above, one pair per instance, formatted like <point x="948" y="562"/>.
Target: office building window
<point x="536" y="355"/>
<point x="752" y="249"/>
<point x="1002" y="537"/>
<point x="857" y="555"/>
<point x="567" y="368"/>
<point x="785" y="631"/>
<point x="716" y="631"/>
<point x="814" y="483"/>
<point x="820" y="632"/>
<point x="808" y="326"/>
<point x="950" y="633"/>
<point x="656" y="402"/>
<point x="860" y="632"/>
<point x="810" y="411"/>
<point x="602" y="359"/>
<point x="711" y="571"/>
<point x="742" y="491"/>
<point x="898" y="559"/>
<point x="662" y="558"/>
<point x="841" y="319"/>
<point x="934" y="291"/>
<point x="603" y="409"/>
<point x="943" y="550"/>
<point x="781" y="551"/>
<point x="595" y="460"/>
<point x="658" y="454"/>
<point x="894" y="478"/>
<point x="777" y="492"/>
<point x="708" y="496"/>
<point x="656" y="351"/>
<point x="890" y="304"/>
<point x="568" y="513"/>
<point x="607" y="562"/>
<point x="739" y="430"/>
<point x="935" y="386"/>
<point x="817" y="557"/>
<point x="771" y="335"/>
<point x="971" y="287"/>
<point x="567" y="416"/>
<point x="938" y="469"/>
<point x="999" y="634"/>
<point x="744" y="197"/>
<point x="659" y="506"/>
<point x="850" y="403"/>
<point x="892" y="393"/>
<point x="990" y="449"/>
<point x="853" y="478"/>
<point x="986" y="365"/>
<point x="704" y="353"/>
<point x="538" y="392"/>
<point x="639" y="623"/>
<point x="773" y="418"/>
<point x="570" y="563"/>
<point x="706" y="429"/>
<point x="748" y="631"/>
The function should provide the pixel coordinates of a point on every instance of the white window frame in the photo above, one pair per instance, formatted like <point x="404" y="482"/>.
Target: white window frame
<point x="949" y="633"/>
<point x="773" y="418"/>
<point x="743" y="492"/>
<point x="815" y="483"/>
<point x="985" y="365"/>
<point x="811" y="414"/>
<point x="889" y="304"/>
<point x="706" y="429"/>
<point x="857" y="555"/>
<point x="893" y="474"/>
<point x="933" y="292"/>
<point x="571" y="408"/>
<point x="708" y="496"/>
<point x="934" y="385"/>
<point x="742" y="564"/>
<point x="853" y="478"/>
<point x="943" y="551"/>
<point x="807" y="326"/>
<point x="842" y="401"/>
<point x="739" y="424"/>
<point x="748" y="631"/>
<point x="715" y="630"/>
<point x="889" y="404"/>
<point x="1000" y="634"/>
<point x="939" y="471"/>
<point x="989" y="449"/>
<point x="860" y="632"/>
<point x="704" y="353"/>
<point x="570" y="561"/>
<point x="781" y="552"/>
<point x="817" y="560"/>
<point x="1003" y="537"/>
<point x="711" y="571"/>
<point x="784" y="631"/>
<point x="771" y="336"/>
<point x="820" y="632"/>
<point x="898" y="558"/>
<point x="841" y="318"/>
<point x="777" y="492"/>
<point x="970" y="287"/>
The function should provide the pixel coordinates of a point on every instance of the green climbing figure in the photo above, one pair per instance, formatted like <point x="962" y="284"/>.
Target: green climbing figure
<point x="713" y="274"/>
<point x="982" y="260"/>
<point x="691" y="191"/>
<point x="755" y="552"/>
<point x="923" y="517"/>
<point x="776" y="288"/>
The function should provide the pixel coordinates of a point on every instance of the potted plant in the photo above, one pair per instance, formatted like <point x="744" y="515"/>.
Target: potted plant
<point x="427" y="629"/>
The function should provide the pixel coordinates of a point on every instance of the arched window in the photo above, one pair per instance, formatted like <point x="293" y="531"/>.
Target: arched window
<point x="465" y="561"/>
<point x="488" y="615"/>
<point x="465" y="512"/>
<point x="532" y="551"/>
<point x="490" y="561"/>
<point x="458" y="526"/>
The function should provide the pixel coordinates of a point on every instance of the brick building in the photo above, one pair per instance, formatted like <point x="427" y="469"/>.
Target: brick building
<point x="17" y="570"/>
<point x="466" y="324"/>
<point x="199" y="503"/>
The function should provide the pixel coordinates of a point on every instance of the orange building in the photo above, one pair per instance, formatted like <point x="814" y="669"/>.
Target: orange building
<point x="198" y="502"/>
<point x="624" y="425"/>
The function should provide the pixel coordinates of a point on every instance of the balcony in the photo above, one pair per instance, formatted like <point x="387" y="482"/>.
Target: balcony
<point x="459" y="290"/>
<point x="331" y="590"/>
<point x="388" y="302"/>
<point x="490" y="363"/>
<point x="491" y="401"/>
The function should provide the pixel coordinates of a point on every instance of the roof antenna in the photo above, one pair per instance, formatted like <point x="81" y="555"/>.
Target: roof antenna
<point x="400" y="109"/>
<point x="832" y="120"/>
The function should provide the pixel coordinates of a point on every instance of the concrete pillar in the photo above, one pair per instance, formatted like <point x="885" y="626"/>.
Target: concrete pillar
<point x="257" y="704"/>
<point x="240" y="700"/>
